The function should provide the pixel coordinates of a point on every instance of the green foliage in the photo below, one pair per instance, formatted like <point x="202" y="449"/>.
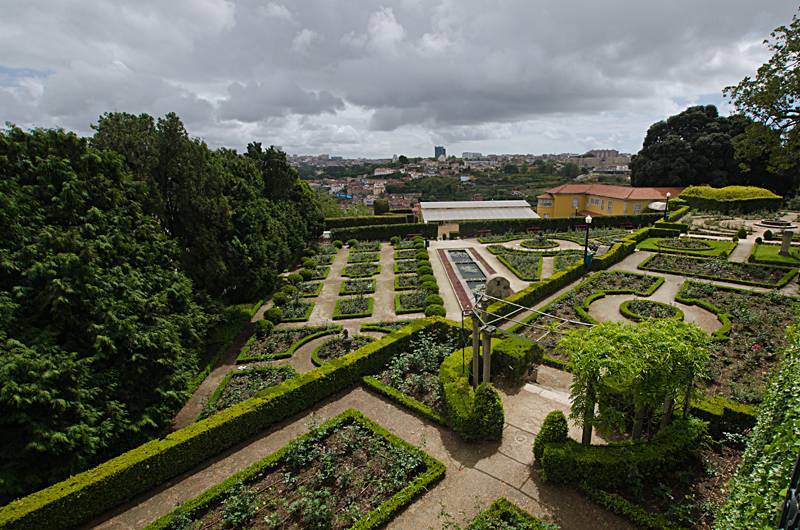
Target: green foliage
<point x="434" y="299"/>
<point x="338" y="243"/>
<point x="514" y="357"/>
<point x="385" y="232"/>
<point x="368" y="220"/>
<point x="554" y="430"/>
<point x="280" y="298"/>
<point x="295" y="278"/>
<point x="264" y="327"/>
<point x="720" y="269"/>
<point x="770" y="255"/>
<point x="354" y="307"/>
<point x="381" y="206"/>
<point x="520" y="226"/>
<point x="758" y="487"/>
<point x="100" y="330"/>
<point x="273" y="314"/>
<point x="642" y="309"/>
<point x="504" y="515"/>
<point x="306" y="274"/>
<point x="731" y="198"/>
<point x="691" y="246"/>
<point x="435" y="310"/>
<point x="488" y="412"/>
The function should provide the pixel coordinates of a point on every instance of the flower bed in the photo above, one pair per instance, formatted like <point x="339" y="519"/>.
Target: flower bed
<point x="525" y="265"/>
<point x="309" y="289"/>
<point x="327" y="249"/>
<point x="323" y="259"/>
<point x="692" y="246"/>
<point x="320" y="273"/>
<point x="502" y="238"/>
<point x="638" y="310"/>
<point x="387" y="326"/>
<point x="413" y="302"/>
<point x="361" y="270"/>
<point x="357" y="286"/>
<point x="406" y="244"/>
<point x="356" y="307"/>
<point x="280" y="343"/>
<point x="719" y="269"/>
<point x="338" y="346"/>
<point x="363" y="257"/>
<point x="566" y="259"/>
<point x="405" y="266"/>
<point x="539" y="243"/>
<point x="571" y="306"/>
<point x="366" y="246"/>
<point x="748" y="345"/>
<point x="240" y="385"/>
<point x="409" y="253"/>
<point x="347" y="472"/>
<point x="404" y="282"/>
<point x="504" y="515"/>
<point x="296" y="311"/>
<point x="414" y="374"/>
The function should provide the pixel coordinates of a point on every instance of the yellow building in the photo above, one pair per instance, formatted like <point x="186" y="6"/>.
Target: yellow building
<point x="570" y="200"/>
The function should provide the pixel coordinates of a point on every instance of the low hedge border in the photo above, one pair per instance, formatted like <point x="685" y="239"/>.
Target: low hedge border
<point x="244" y="358"/>
<point x="786" y="278"/>
<point x="400" y="309"/>
<point x="474" y="228"/>
<point x="93" y="492"/>
<point x="722" y="333"/>
<point x="624" y="508"/>
<point x="502" y="259"/>
<point x="398" y="287"/>
<point x="502" y="513"/>
<point x="385" y="232"/>
<point x="777" y="259"/>
<point x="722" y="248"/>
<point x="303" y="318"/>
<point x="409" y="261"/>
<point x="343" y="291"/>
<point x="338" y="315"/>
<point x="212" y="400"/>
<point x="531" y="243"/>
<point x="723" y="415"/>
<point x="363" y="257"/>
<point x="316" y="360"/>
<point x="315" y="293"/>
<point x="625" y="310"/>
<point x="408" y="402"/>
<point x="332" y="223"/>
<point x="374" y="272"/>
<point x="434" y="471"/>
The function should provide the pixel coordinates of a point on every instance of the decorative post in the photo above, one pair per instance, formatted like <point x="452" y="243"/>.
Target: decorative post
<point x="487" y="353"/>
<point x="786" y="242"/>
<point x="476" y="349"/>
<point x="586" y="242"/>
<point x="666" y="208"/>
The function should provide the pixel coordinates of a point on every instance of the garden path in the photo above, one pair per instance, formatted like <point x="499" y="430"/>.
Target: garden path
<point x="743" y="249"/>
<point x="325" y="302"/>
<point x="548" y="266"/>
<point x="476" y="473"/>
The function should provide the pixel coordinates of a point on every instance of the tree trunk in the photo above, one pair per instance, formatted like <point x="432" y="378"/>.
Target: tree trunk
<point x="638" y="422"/>
<point x="588" y="416"/>
<point x="666" y="418"/>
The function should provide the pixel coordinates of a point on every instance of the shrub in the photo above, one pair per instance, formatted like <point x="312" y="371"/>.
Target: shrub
<point x="434" y="299"/>
<point x="741" y="233"/>
<point x="310" y="251"/>
<point x="768" y="235"/>
<point x="759" y="240"/>
<point x="280" y="298"/>
<point x="306" y="274"/>
<point x="338" y="243"/>
<point x="735" y="239"/>
<point x="435" y="311"/>
<point x="554" y="430"/>
<point x="308" y="262"/>
<point x="488" y="411"/>
<point x="422" y="255"/>
<point x="431" y="287"/>
<point x="384" y="232"/>
<point x="731" y="198"/>
<point x="514" y="357"/>
<point x="334" y="223"/>
<point x="295" y="278"/>
<point x="273" y="314"/>
<point x="264" y="327"/>
<point x="427" y="278"/>
<point x="394" y="240"/>
<point x="352" y="242"/>
<point x="424" y="270"/>
<point x="288" y="289"/>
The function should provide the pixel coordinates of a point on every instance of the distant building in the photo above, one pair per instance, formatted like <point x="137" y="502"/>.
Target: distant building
<point x="448" y="214"/>
<point x="379" y="171"/>
<point x="468" y="155"/>
<point x="439" y="151"/>
<point x="570" y="200"/>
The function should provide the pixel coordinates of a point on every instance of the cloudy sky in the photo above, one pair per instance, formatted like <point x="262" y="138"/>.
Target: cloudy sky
<point x="363" y="78"/>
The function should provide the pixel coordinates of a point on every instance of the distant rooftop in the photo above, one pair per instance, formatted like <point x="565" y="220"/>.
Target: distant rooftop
<point x="613" y="192"/>
<point x="475" y="210"/>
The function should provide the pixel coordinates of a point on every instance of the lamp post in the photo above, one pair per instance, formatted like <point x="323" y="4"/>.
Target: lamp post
<point x="586" y="242"/>
<point x="666" y="208"/>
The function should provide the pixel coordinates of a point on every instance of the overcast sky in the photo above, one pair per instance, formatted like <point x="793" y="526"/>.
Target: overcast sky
<point x="362" y="78"/>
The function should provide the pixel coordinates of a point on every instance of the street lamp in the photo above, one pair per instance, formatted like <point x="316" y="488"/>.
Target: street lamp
<point x="586" y="243"/>
<point x="666" y="208"/>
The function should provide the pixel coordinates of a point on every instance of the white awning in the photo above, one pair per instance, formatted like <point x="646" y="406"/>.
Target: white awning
<point x="475" y="210"/>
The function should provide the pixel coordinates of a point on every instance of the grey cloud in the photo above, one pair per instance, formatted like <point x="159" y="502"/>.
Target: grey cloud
<point x="256" y="101"/>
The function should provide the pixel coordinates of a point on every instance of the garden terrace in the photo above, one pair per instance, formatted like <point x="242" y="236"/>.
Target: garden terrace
<point x="347" y="472"/>
<point x="309" y="289"/>
<point x="241" y="385"/>
<point x="572" y="306"/>
<point x="525" y="265"/>
<point x="719" y="269"/>
<point x="770" y="255"/>
<point x="363" y="257"/>
<point x="338" y="346"/>
<point x="361" y="270"/>
<point x="357" y="286"/>
<point x="404" y="282"/>
<point x="639" y="309"/>
<point x="280" y="343"/>
<point x="748" y="345"/>
<point x="355" y="307"/>
<point x="693" y="246"/>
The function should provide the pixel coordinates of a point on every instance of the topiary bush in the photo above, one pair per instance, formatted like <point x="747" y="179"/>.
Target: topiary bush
<point x="394" y="240"/>
<point x="424" y="270"/>
<point x="427" y="278"/>
<point x="280" y="298"/>
<point x="431" y="287"/>
<point x="434" y="299"/>
<point x="288" y="289"/>
<point x="295" y="278"/>
<point x="488" y="412"/>
<point x="514" y="357"/>
<point x="264" y="327"/>
<point x="308" y="262"/>
<point x="273" y="314"/>
<point x="338" y="243"/>
<point x="435" y="311"/>
<point x="306" y="274"/>
<point x="554" y="430"/>
<point x="352" y="242"/>
<point x="741" y="233"/>
<point x="759" y="240"/>
<point x="422" y="255"/>
<point x="768" y="235"/>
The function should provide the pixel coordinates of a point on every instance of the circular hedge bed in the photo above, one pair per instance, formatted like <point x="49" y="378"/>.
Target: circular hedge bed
<point x="684" y="243"/>
<point x="638" y="310"/>
<point x="338" y="346"/>
<point x="539" y="243"/>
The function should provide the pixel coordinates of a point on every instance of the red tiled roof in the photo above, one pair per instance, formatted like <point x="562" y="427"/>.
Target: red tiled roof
<point x="615" y="192"/>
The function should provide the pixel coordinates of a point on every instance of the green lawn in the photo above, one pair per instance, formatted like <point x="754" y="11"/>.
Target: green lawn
<point x="769" y="254"/>
<point x="716" y="247"/>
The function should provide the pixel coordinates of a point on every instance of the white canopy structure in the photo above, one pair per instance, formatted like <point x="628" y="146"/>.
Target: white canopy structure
<point x="454" y="211"/>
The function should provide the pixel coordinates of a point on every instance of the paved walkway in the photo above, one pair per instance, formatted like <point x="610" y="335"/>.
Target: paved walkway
<point x="476" y="473"/>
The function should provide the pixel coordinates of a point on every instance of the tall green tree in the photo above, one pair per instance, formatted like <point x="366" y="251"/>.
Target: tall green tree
<point x="99" y="328"/>
<point x="771" y="144"/>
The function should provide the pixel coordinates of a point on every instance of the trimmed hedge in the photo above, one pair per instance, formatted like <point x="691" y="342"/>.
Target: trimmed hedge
<point x="786" y="278"/>
<point x="473" y="414"/>
<point x="332" y="223"/>
<point x="716" y="247"/>
<point x="406" y="401"/>
<point x="625" y="310"/>
<point x="244" y="358"/>
<point x="731" y="198"/>
<point x="514" y="356"/>
<point x="624" y="508"/>
<point x="473" y="228"/>
<point x="316" y="360"/>
<point x="554" y="430"/>
<point x="504" y="514"/>
<point x="385" y="232"/>
<point x="434" y="471"/>
<point x="723" y="415"/>
<point x="208" y="409"/>
<point x="91" y="493"/>
<point x="680" y="227"/>
<point x="610" y="466"/>
<point x="385" y="327"/>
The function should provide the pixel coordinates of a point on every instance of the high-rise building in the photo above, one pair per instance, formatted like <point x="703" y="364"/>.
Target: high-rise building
<point x="438" y="151"/>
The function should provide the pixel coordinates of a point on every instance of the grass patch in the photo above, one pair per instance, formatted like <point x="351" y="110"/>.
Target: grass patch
<point x="770" y="255"/>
